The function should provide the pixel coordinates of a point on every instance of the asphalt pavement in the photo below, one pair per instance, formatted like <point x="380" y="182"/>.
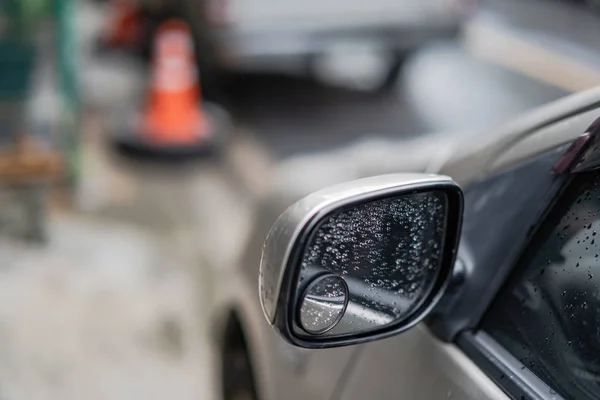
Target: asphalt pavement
<point x="571" y="27"/>
<point x="444" y="88"/>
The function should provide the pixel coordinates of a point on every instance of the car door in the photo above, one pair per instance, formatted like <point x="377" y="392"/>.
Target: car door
<point x="523" y="320"/>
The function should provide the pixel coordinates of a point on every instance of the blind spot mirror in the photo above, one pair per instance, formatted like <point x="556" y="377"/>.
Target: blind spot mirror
<point x="323" y="304"/>
<point x="360" y="261"/>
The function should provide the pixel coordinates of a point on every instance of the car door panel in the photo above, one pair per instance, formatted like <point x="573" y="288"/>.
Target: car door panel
<point x="313" y="374"/>
<point x="417" y="365"/>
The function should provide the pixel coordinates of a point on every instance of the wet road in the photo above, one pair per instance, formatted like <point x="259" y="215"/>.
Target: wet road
<point x="443" y="89"/>
<point x="570" y="27"/>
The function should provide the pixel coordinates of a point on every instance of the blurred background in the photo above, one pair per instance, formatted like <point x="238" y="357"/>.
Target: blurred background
<point x="138" y="139"/>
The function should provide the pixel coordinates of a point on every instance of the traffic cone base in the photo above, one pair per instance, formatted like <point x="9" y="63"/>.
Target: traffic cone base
<point x="209" y="141"/>
<point x="193" y="129"/>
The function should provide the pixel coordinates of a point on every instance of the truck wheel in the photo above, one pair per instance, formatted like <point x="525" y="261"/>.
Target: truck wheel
<point x="394" y="71"/>
<point x="381" y="79"/>
<point x="237" y="375"/>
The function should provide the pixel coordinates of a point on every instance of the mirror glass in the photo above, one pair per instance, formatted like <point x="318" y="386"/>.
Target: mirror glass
<point x="323" y="304"/>
<point x="388" y="254"/>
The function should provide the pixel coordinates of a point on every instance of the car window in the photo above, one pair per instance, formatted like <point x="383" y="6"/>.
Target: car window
<point x="548" y="314"/>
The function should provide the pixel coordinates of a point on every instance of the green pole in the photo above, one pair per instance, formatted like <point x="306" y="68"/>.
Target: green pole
<point x="68" y="69"/>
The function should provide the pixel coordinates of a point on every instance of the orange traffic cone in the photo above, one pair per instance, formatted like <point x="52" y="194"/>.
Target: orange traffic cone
<point x="173" y="122"/>
<point x="173" y="113"/>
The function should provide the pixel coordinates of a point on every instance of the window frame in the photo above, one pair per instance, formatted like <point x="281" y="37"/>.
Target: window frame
<point x="510" y="374"/>
<point x="480" y="339"/>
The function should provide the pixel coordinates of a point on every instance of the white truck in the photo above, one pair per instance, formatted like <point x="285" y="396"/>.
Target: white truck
<point x="361" y="42"/>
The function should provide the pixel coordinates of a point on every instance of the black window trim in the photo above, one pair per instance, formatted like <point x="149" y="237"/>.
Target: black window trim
<point x="462" y="309"/>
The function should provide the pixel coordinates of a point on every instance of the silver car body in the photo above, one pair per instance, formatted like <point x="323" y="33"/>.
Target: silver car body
<point x="413" y="365"/>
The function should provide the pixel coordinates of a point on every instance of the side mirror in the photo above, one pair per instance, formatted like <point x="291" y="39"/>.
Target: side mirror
<point x="362" y="260"/>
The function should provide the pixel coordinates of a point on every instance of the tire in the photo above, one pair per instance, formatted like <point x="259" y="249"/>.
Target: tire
<point x="394" y="71"/>
<point x="385" y="82"/>
<point x="237" y="377"/>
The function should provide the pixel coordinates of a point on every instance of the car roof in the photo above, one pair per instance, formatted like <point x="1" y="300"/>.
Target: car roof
<point x="478" y="156"/>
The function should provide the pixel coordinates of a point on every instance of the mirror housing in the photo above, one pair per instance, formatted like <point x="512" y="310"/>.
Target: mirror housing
<point x="399" y="233"/>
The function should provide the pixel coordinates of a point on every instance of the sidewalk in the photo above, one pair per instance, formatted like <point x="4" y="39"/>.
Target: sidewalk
<point x="106" y="311"/>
